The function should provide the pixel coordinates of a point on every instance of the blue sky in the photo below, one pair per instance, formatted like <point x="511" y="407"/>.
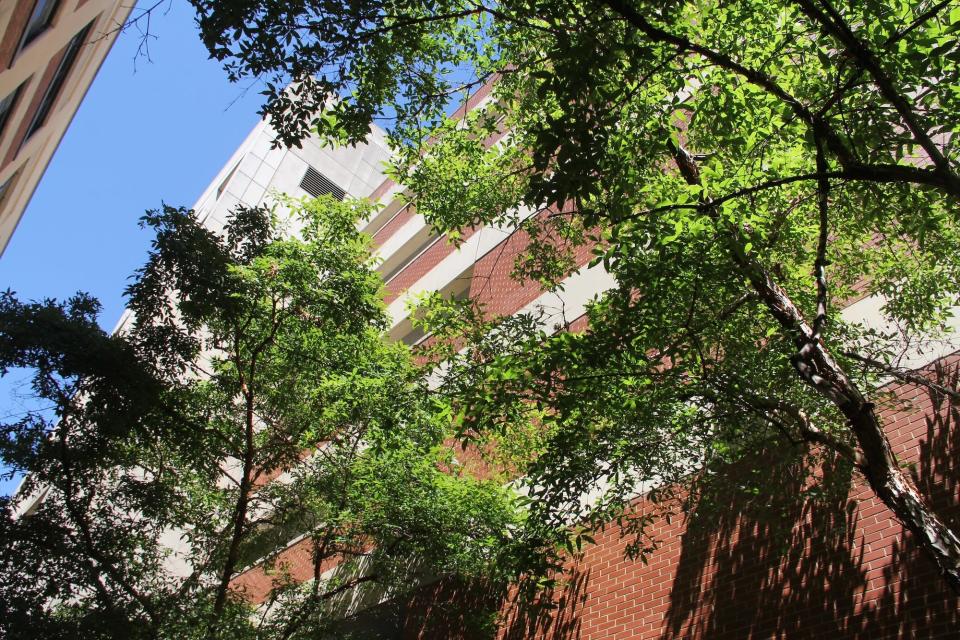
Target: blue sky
<point x="146" y="133"/>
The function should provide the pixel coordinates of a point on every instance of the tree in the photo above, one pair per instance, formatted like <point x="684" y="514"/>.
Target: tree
<point x="743" y="167"/>
<point x="248" y="353"/>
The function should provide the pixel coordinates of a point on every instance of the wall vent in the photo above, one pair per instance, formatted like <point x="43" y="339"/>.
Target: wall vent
<point x="317" y="184"/>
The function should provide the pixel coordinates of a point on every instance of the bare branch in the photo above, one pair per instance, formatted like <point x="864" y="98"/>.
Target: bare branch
<point x="141" y="22"/>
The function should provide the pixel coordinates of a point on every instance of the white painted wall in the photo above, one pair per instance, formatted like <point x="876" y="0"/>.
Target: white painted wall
<point x="256" y="172"/>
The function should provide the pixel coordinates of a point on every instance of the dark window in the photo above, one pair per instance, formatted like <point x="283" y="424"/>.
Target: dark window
<point x="39" y="21"/>
<point x="56" y="83"/>
<point x="317" y="184"/>
<point x="7" y="105"/>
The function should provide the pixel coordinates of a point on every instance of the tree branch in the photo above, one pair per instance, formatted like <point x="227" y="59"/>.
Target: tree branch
<point x="821" y="262"/>
<point x="923" y="17"/>
<point x="820" y="371"/>
<point x="878" y="173"/>
<point x="942" y="178"/>
<point x="833" y="24"/>
<point x="904" y="375"/>
<point x="808" y="431"/>
<point x="105" y="564"/>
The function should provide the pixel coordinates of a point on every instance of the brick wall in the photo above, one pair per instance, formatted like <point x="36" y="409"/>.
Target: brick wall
<point x="783" y="566"/>
<point x="493" y="285"/>
<point x="787" y="567"/>
<point x="296" y="561"/>
<point x="838" y="566"/>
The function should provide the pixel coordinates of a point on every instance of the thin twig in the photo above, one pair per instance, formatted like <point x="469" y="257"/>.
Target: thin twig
<point x="903" y="374"/>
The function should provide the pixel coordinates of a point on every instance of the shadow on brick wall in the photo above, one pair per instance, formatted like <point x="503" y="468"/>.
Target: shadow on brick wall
<point x="554" y="615"/>
<point x="450" y="608"/>
<point x="937" y="473"/>
<point x="822" y="561"/>
<point x="771" y="564"/>
<point x="921" y="606"/>
<point x="794" y="547"/>
<point x="472" y="611"/>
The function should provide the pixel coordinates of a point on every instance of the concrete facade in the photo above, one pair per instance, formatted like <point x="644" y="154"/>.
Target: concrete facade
<point x="256" y="171"/>
<point x="50" y="51"/>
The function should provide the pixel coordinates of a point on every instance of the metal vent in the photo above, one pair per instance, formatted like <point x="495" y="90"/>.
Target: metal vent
<point x="317" y="184"/>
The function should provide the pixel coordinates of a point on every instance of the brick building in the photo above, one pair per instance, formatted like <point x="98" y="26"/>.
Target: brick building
<point x="789" y="568"/>
<point x="50" y="51"/>
<point x="786" y="568"/>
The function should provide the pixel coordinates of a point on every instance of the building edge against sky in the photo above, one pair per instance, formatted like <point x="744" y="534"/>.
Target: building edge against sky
<point x="256" y="172"/>
<point x="50" y="51"/>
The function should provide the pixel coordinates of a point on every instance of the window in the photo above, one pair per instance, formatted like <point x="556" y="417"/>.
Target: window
<point x="317" y="184"/>
<point x="6" y="107"/>
<point x="56" y="83"/>
<point x="39" y="21"/>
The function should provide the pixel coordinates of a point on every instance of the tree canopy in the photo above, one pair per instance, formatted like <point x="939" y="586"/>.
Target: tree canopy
<point x="153" y="481"/>
<point x="744" y="169"/>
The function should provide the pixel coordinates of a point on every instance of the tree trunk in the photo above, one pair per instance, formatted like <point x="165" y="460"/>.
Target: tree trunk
<point x="881" y="467"/>
<point x="896" y="491"/>
<point x="817" y="368"/>
<point x="240" y="511"/>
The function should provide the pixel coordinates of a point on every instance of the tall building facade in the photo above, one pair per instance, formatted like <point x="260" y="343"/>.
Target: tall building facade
<point x="256" y="172"/>
<point x="252" y="176"/>
<point x="783" y="568"/>
<point x="50" y="51"/>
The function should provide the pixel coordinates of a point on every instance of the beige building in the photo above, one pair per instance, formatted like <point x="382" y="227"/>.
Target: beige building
<point x="50" y="51"/>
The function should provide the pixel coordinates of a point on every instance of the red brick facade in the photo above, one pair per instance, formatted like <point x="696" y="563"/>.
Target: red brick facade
<point x="781" y="566"/>
<point x="792" y="568"/>
<point x="788" y="568"/>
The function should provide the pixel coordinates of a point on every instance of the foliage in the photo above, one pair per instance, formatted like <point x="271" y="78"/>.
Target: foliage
<point x="742" y="168"/>
<point x="150" y="485"/>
